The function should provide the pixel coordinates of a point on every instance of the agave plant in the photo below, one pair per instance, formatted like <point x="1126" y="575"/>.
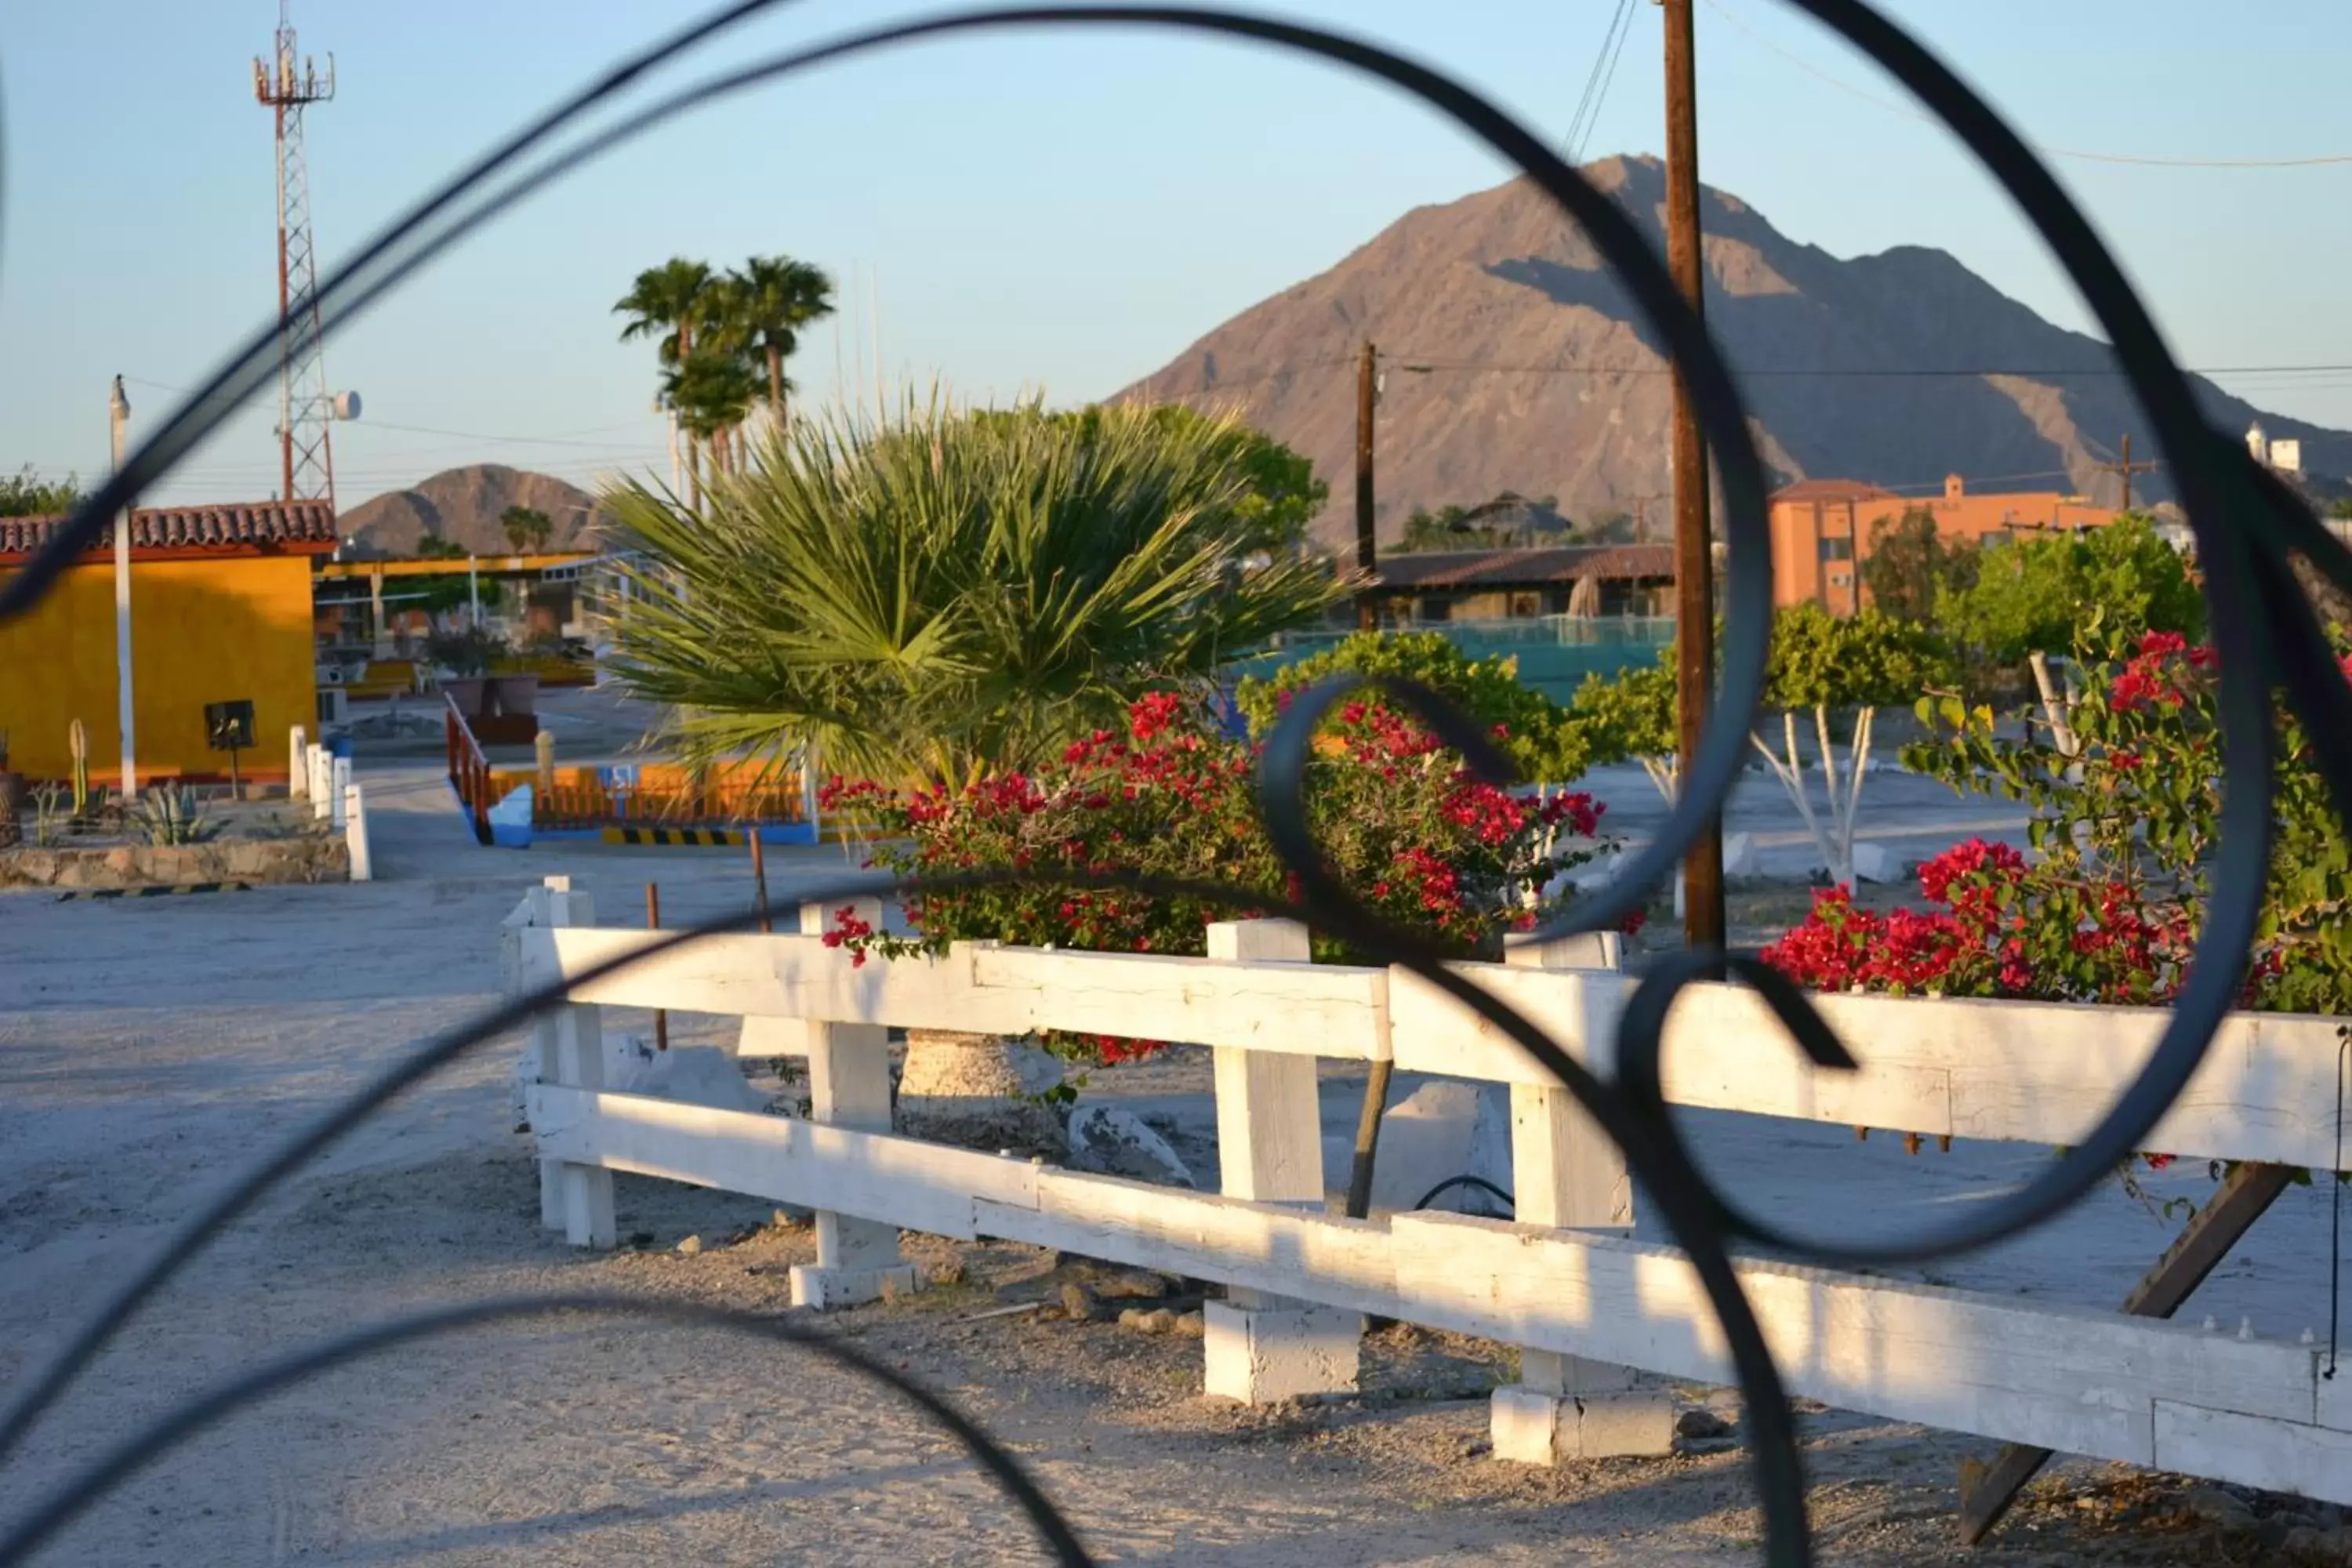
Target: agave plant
<point x="170" y="817"/>
<point x="947" y="592"/>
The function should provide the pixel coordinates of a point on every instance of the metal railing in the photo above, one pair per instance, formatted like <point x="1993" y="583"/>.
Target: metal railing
<point x="470" y="770"/>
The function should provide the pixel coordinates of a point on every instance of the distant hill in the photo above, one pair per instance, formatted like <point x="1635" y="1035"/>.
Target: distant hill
<point x="1574" y="403"/>
<point x="464" y="505"/>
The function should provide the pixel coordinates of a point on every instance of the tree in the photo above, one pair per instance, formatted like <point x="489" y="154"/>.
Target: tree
<point x="526" y="527"/>
<point x="1614" y="528"/>
<point x="432" y="547"/>
<point x="1909" y="563"/>
<point x="2341" y="506"/>
<point x="1545" y="743"/>
<point x="2034" y="596"/>
<point x="1818" y="662"/>
<point x="668" y="302"/>
<point x="771" y="299"/>
<point x="948" y="595"/>
<point x="26" y="494"/>
<point x="1632" y="715"/>
<point x="1280" y="494"/>
<point x="712" y="389"/>
<point x="1855" y="664"/>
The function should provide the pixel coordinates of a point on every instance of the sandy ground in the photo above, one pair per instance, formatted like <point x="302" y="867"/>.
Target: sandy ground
<point x="146" y="1048"/>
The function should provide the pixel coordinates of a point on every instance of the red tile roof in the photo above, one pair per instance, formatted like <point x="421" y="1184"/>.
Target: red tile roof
<point x="1832" y="489"/>
<point x="301" y="528"/>
<point x="1526" y="568"/>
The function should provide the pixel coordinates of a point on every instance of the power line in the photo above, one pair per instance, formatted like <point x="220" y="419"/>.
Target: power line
<point x="561" y="438"/>
<point x="1596" y="85"/>
<point x="1911" y="112"/>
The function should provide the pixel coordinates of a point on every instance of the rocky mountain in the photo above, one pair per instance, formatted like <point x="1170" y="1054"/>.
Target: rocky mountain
<point x="1895" y="368"/>
<point x="464" y="505"/>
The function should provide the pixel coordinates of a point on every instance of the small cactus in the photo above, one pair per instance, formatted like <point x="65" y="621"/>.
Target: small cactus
<point x="77" y="741"/>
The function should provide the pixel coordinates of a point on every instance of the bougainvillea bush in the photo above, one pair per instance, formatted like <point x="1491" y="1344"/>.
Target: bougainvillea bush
<point x="2125" y="790"/>
<point x="1430" y="847"/>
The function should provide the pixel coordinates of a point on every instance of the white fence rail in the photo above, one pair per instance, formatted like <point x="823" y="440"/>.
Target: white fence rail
<point x="1589" y="1301"/>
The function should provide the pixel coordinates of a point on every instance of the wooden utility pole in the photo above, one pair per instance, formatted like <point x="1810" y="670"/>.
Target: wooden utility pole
<point x="1703" y="923"/>
<point x="1366" y="562"/>
<point x="2123" y="468"/>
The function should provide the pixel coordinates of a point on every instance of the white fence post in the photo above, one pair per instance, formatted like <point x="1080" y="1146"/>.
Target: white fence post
<point x="355" y="834"/>
<point x="1567" y="1174"/>
<point x="849" y="1086"/>
<point x="298" y="763"/>
<point x="571" y="1054"/>
<point x="1260" y="1348"/>
<point x="339" y="787"/>
<point x="320" y="782"/>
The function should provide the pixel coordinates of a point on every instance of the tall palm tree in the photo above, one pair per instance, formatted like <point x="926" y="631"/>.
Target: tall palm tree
<point x="668" y="301"/>
<point x="770" y="299"/>
<point x="712" y="389"/>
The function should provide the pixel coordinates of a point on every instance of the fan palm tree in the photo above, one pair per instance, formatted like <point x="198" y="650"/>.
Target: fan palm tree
<point x="949" y="593"/>
<point x="712" y="389"/>
<point x="668" y="302"/>
<point x="770" y="299"/>
<point x="526" y="527"/>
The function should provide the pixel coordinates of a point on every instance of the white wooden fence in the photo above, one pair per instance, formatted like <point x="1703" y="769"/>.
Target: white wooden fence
<point x="1566" y="1280"/>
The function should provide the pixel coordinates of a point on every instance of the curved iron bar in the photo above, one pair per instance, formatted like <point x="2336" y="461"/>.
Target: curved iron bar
<point x="201" y="1409"/>
<point x="2263" y="644"/>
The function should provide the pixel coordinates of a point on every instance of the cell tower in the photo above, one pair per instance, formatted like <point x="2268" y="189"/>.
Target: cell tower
<point x="305" y="455"/>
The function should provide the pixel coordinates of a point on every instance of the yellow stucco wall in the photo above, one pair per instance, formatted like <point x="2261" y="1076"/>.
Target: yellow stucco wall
<point x="201" y="631"/>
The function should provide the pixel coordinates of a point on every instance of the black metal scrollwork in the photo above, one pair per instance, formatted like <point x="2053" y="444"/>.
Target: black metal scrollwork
<point x="2246" y="525"/>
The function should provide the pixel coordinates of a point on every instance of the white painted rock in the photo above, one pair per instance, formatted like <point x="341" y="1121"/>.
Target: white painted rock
<point x="510" y="819"/>
<point x="691" y="1075"/>
<point x="980" y="1092"/>
<point x="1740" y="854"/>
<point x="1444" y="1128"/>
<point x="1114" y="1142"/>
<point x="1874" y="864"/>
<point x="695" y="1074"/>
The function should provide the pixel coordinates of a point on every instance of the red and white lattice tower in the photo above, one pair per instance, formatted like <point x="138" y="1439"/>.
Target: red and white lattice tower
<point x="288" y="86"/>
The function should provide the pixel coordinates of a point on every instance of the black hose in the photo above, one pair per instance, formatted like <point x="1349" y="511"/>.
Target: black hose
<point x="1466" y="1180"/>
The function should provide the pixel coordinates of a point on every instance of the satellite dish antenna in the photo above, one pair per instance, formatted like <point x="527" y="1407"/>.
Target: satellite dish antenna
<point x="344" y="405"/>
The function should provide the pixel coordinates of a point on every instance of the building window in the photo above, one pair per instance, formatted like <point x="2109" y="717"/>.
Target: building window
<point x="1837" y="547"/>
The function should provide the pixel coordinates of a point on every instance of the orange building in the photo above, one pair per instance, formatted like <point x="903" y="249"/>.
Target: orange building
<point x="1821" y="527"/>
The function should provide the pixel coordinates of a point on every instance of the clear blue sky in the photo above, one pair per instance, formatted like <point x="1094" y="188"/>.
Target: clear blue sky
<point x="1052" y="212"/>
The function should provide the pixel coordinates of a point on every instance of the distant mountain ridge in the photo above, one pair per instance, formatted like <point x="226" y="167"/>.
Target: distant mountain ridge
<point x="464" y="506"/>
<point x="1573" y="399"/>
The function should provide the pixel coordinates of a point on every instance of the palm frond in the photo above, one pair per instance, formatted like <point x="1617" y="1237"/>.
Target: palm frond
<point x="947" y="592"/>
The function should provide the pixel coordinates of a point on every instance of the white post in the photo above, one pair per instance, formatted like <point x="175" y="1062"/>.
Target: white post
<point x="355" y="834"/>
<point x="297" y="764"/>
<point x="1259" y="1348"/>
<point x="339" y="785"/>
<point x="320" y="783"/>
<point x="379" y="634"/>
<point x="849" y="1086"/>
<point x="474" y="591"/>
<point x="1567" y="1174"/>
<point x="120" y="411"/>
<point x="571" y="1053"/>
